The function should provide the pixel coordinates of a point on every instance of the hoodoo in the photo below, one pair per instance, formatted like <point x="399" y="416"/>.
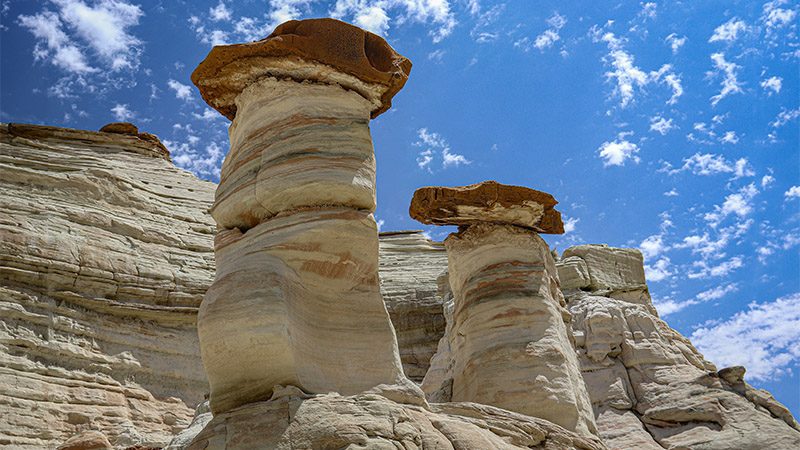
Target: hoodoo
<point x="510" y="341"/>
<point x="296" y="299"/>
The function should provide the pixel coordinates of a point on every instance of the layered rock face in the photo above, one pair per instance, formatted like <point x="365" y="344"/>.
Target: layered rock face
<point x="413" y="273"/>
<point x="105" y="254"/>
<point x="294" y="420"/>
<point x="510" y="344"/>
<point x="650" y="388"/>
<point x="296" y="299"/>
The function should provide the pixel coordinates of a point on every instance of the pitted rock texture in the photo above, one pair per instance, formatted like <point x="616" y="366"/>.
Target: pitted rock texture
<point x="650" y="388"/>
<point x="105" y="254"/>
<point x="510" y="344"/>
<point x="320" y="50"/>
<point x="292" y="420"/>
<point x="413" y="275"/>
<point x="296" y="298"/>
<point x="487" y="202"/>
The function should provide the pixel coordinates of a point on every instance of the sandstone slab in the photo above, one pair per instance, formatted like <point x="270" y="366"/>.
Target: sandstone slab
<point x="487" y="202"/>
<point x="321" y="50"/>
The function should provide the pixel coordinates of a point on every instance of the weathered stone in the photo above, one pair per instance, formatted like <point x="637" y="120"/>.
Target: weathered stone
<point x="120" y="128"/>
<point x="510" y="343"/>
<point x="325" y="51"/>
<point x="88" y="440"/>
<point x="650" y="388"/>
<point x="296" y="299"/>
<point x="487" y="202"/>
<point x="573" y="273"/>
<point x="413" y="283"/>
<point x="293" y="420"/>
<point x="105" y="254"/>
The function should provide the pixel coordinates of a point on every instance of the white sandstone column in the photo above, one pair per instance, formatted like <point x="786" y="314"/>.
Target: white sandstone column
<point x="296" y="299"/>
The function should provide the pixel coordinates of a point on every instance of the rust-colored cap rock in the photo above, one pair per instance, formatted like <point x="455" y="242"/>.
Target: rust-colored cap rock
<point x="120" y="128"/>
<point x="228" y="69"/>
<point x="490" y="202"/>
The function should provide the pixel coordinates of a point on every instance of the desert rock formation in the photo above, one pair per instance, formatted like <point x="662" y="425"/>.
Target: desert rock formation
<point x="296" y="299"/>
<point x="650" y="388"/>
<point x="510" y="344"/>
<point x="105" y="254"/>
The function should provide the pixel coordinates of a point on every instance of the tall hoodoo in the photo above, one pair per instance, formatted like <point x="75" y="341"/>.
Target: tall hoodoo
<point x="296" y="298"/>
<point x="510" y="342"/>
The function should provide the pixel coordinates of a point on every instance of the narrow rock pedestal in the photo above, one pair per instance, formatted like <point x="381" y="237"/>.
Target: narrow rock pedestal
<point x="296" y="299"/>
<point x="509" y="343"/>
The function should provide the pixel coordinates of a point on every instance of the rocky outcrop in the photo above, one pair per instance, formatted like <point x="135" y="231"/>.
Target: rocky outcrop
<point x="510" y="344"/>
<point x="650" y="388"/>
<point x="487" y="202"/>
<point x="105" y="254"/>
<point x="296" y="298"/>
<point x="413" y="273"/>
<point x="292" y="419"/>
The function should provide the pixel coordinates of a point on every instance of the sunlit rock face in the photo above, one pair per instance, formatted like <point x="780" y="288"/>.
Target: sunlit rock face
<point x="413" y="273"/>
<point x="292" y="419"/>
<point x="105" y="254"/>
<point x="509" y="344"/>
<point x="296" y="299"/>
<point x="649" y="387"/>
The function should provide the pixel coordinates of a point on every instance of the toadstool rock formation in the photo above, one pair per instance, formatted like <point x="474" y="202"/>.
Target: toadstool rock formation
<point x="296" y="299"/>
<point x="510" y="344"/>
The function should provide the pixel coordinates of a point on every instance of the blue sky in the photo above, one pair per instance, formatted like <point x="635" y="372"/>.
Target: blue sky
<point x="669" y="126"/>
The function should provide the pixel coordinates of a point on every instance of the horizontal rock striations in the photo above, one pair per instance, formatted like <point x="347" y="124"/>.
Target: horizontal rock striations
<point x="649" y="387"/>
<point x="487" y="202"/>
<point x="413" y="273"/>
<point x="510" y="344"/>
<point x="105" y="254"/>
<point x="296" y="298"/>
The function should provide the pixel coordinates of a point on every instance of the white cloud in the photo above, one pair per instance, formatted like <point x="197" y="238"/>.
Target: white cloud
<point x="615" y="153"/>
<point x="767" y="180"/>
<point x="658" y="271"/>
<point x="784" y="117"/>
<point x="793" y="192"/>
<point x="768" y="332"/>
<point x="570" y="224"/>
<point x="705" y="270"/>
<point x="375" y="15"/>
<point x="628" y="77"/>
<point x="772" y="85"/>
<point x="660" y="125"/>
<point x="728" y="31"/>
<point x="717" y="292"/>
<point x="220" y="13"/>
<point x="380" y="223"/>
<point x="669" y="306"/>
<point x="738" y="203"/>
<point x="671" y="193"/>
<point x="123" y="113"/>
<point x="776" y="17"/>
<point x="730" y="83"/>
<point x="649" y="10"/>
<point x="652" y="246"/>
<point x="711" y="164"/>
<point x="675" y="42"/>
<point x="53" y="44"/>
<point x="104" y="28"/>
<point x="432" y="143"/>
<point x="436" y="55"/>
<point x="550" y="36"/>
<point x="202" y="163"/>
<point x="182" y="91"/>
<point x="729" y="138"/>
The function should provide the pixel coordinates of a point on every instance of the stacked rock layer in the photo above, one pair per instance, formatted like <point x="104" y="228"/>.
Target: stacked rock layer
<point x="510" y="344"/>
<point x="105" y="254"/>
<point x="296" y="299"/>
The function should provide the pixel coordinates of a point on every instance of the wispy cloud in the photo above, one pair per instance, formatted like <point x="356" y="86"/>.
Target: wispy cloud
<point x="730" y="83"/>
<point x="675" y="42"/>
<point x="182" y="91"/>
<point x="729" y="31"/>
<point x="661" y="125"/>
<point x="769" y="331"/>
<point x="123" y="113"/>
<point x="772" y="85"/>
<point x="615" y="153"/>
<point x="434" y="144"/>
